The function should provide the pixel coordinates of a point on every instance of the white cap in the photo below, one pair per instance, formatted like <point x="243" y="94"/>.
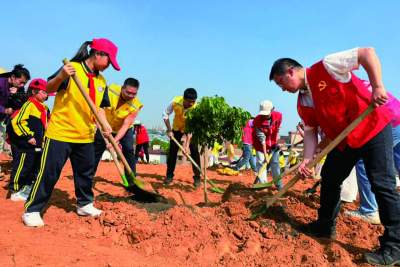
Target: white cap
<point x="137" y="122"/>
<point x="265" y="107"/>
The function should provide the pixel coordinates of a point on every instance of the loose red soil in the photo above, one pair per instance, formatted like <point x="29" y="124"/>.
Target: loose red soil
<point x="184" y="232"/>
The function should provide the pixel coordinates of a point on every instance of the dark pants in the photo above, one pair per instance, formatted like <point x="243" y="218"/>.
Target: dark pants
<point x="25" y="167"/>
<point x="54" y="155"/>
<point x="378" y="158"/>
<point x="145" y="147"/>
<point x="127" y="149"/>
<point x="173" y="153"/>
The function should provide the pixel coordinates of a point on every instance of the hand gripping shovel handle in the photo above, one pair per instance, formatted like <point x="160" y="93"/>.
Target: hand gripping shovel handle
<point x="103" y="125"/>
<point x="322" y="154"/>
<point x="264" y="166"/>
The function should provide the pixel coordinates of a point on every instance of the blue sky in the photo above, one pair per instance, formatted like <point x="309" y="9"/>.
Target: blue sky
<point x="217" y="47"/>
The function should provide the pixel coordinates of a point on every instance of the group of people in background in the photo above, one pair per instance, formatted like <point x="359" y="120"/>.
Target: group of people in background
<point x="330" y="97"/>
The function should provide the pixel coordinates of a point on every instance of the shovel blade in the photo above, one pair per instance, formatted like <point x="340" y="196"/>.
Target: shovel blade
<point x="143" y="192"/>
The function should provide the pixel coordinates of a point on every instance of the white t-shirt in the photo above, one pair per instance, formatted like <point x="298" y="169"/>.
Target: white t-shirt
<point x="339" y="65"/>
<point x="168" y="111"/>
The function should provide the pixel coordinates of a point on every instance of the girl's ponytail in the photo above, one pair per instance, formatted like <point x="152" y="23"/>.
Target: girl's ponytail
<point x="82" y="53"/>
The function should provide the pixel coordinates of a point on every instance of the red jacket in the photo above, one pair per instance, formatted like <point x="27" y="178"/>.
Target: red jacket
<point x="270" y="129"/>
<point x="141" y="135"/>
<point x="335" y="105"/>
<point x="247" y="133"/>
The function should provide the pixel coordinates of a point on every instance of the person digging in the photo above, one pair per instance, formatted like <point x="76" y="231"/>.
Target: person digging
<point x="331" y="96"/>
<point x="180" y="105"/>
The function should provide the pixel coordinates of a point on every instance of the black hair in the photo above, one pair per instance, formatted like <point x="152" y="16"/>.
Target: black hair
<point x="83" y="52"/>
<point x="190" y="93"/>
<point x="131" y="82"/>
<point x="281" y="65"/>
<point x="19" y="71"/>
<point x="32" y="92"/>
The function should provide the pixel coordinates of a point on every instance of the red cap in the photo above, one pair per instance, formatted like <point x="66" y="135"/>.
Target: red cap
<point x="38" y="84"/>
<point x="106" y="46"/>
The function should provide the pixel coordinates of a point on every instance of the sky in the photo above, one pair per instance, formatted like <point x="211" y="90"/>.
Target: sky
<point x="221" y="48"/>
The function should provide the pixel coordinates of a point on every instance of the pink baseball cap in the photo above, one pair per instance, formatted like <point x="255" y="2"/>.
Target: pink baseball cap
<point x="106" y="46"/>
<point x="38" y="84"/>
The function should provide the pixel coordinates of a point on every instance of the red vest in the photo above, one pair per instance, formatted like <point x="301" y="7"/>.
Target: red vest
<point x="271" y="130"/>
<point x="337" y="104"/>
<point x="141" y="135"/>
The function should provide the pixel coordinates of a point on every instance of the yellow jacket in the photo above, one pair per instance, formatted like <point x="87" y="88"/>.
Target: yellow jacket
<point x="116" y="116"/>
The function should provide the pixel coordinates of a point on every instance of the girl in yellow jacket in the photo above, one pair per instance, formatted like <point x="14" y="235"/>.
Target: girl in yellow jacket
<point x="70" y="133"/>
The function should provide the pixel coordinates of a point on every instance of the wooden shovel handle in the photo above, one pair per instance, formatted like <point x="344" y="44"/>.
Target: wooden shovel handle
<point x="99" y="119"/>
<point x="322" y="154"/>
<point x="186" y="154"/>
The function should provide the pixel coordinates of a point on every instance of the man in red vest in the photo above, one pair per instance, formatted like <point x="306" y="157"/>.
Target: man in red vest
<point x="265" y="140"/>
<point x="331" y="97"/>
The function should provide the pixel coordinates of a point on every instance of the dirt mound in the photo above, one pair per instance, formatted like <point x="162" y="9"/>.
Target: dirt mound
<point x="182" y="232"/>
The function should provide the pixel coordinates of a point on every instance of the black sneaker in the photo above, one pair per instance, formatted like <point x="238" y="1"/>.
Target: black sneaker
<point x="384" y="256"/>
<point x="315" y="229"/>
<point x="167" y="180"/>
<point x="197" y="183"/>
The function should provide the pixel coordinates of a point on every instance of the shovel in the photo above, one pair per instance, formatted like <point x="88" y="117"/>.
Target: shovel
<point x="114" y="156"/>
<point x="286" y="172"/>
<point x="214" y="187"/>
<point x="134" y="185"/>
<point x="312" y="189"/>
<point x="323" y="153"/>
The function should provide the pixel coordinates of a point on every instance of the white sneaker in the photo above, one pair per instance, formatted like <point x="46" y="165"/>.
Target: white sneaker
<point x="18" y="196"/>
<point x="372" y="218"/>
<point x="32" y="219"/>
<point x="88" y="210"/>
<point x="21" y="195"/>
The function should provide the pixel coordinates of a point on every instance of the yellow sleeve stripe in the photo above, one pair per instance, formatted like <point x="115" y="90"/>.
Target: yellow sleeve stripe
<point x="19" y="122"/>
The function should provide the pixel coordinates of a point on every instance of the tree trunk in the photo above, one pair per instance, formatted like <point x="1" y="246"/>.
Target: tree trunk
<point x="205" y="174"/>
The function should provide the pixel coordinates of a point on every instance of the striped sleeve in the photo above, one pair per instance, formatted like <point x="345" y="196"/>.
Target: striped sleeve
<point x="20" y="122"/>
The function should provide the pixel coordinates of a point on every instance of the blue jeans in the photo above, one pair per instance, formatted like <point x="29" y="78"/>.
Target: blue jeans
<point x="274" y="164"/>
<point x="396" y="148"/>
<point x="396" y="155"/>
<point x="367" y="197"/>
<point x="247" y="157"/>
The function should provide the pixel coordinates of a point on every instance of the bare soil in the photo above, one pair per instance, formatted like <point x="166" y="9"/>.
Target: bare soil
<point x="183" y="232"/>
